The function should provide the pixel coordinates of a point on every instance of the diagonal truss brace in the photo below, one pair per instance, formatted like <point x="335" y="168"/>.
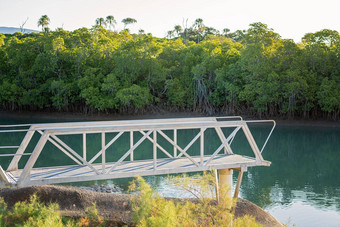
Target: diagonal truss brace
<point x="128" y="152"/>
<point x="62" y="149"/>
<point x="75" y="153"/>
<point x="157" y="145"/>
<point x="223" y="145"/>
<point x="106" y="147"/>
<point x="200" y="134"/>
<point x="183" y="151"/>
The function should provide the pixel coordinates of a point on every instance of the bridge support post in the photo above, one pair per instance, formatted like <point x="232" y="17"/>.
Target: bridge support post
<point x="225" y="179"/>
<point x="238" y="185"/>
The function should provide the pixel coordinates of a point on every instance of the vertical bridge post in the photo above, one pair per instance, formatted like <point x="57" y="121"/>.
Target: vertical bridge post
<point x="175" y="141"/>
<point x="154" y="150"/>
<point x="131" y="145"/>
<point x="84" y="148"/>
<point x="103" y="152"/>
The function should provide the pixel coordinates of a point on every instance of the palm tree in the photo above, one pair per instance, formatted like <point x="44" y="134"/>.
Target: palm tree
<point x="178" y="29"/>
<point x="128" y="21"/>
<point x="44" y="21"/>
<point x="110" y="20"/>
<point x="170" y="34"/>
<point x="226" y="31"/>
<point x="200" y="27"/>
<point x="199" y="23"/>
<point x="100" y="22"/>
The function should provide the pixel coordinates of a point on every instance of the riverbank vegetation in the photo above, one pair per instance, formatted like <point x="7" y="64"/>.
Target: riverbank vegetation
<point x="147" y="208"/>
<point x="36" y="213"/>
<point x="196" y="68"/>
<point x="29" y="213"/>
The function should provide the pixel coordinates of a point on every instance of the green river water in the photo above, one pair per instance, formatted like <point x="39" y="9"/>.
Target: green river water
<point x="301" y="187"/>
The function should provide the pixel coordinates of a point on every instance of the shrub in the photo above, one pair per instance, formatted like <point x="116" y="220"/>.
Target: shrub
<point x="149" y="209"/>
<point x="91" y="218"/>
<point x="36" y="214"/>
<point x="30" y="213"/>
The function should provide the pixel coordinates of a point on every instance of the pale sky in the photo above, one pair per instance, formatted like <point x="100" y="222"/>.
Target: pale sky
<point x="290" y="18"/>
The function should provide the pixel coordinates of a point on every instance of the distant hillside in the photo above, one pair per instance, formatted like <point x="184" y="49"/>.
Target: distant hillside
<point x="11" y="30"/>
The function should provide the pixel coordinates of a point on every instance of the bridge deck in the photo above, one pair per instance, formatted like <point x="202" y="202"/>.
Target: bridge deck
<point x="74" y="173"/>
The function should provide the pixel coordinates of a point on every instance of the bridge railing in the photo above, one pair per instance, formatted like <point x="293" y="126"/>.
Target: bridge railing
<point x="149" y="129"/>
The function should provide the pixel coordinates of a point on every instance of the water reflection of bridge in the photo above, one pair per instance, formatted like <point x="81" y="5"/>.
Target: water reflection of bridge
<point x="178" y="159"/>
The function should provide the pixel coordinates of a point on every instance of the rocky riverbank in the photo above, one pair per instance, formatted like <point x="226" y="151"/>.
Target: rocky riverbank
<point x="102" y="188"/>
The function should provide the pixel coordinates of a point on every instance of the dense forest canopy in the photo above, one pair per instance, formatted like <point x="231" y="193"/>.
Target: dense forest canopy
<point x="198" y="68"/>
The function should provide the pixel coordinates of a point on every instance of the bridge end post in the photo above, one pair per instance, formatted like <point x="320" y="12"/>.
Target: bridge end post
<point x="15" y="160"/>
<point x="3" y="178"/>
<point x="26" y="173"/>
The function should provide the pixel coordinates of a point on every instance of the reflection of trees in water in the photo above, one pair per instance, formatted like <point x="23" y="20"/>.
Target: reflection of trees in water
<point x="304" y="159"/>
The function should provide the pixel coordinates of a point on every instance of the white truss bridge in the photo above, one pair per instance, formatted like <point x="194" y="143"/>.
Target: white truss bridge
<point x="178" y="159"/>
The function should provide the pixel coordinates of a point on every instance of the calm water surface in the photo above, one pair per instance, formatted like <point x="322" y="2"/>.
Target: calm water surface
<point x="301" y="187"/>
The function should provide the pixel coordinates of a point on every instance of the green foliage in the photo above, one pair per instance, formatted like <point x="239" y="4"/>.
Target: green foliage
<point x="134" y="96"/>
<point x="31" y="213"/>
<point x="329" y="95"/>
<point x="149" y="209"/>
<point x="62" y="93"/>
<point x="34" y="213"/>
<point x="253" y="71"/>
<point x="2" y="39"/>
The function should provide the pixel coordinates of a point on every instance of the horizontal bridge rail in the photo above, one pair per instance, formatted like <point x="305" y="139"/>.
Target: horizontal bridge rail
<point x="178" y="159"/>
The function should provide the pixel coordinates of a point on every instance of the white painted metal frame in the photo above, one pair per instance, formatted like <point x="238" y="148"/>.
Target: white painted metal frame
<point x="149" y="129"/>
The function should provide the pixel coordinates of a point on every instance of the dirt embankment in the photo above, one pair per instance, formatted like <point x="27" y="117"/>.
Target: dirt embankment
<point x="114" y="207"/>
